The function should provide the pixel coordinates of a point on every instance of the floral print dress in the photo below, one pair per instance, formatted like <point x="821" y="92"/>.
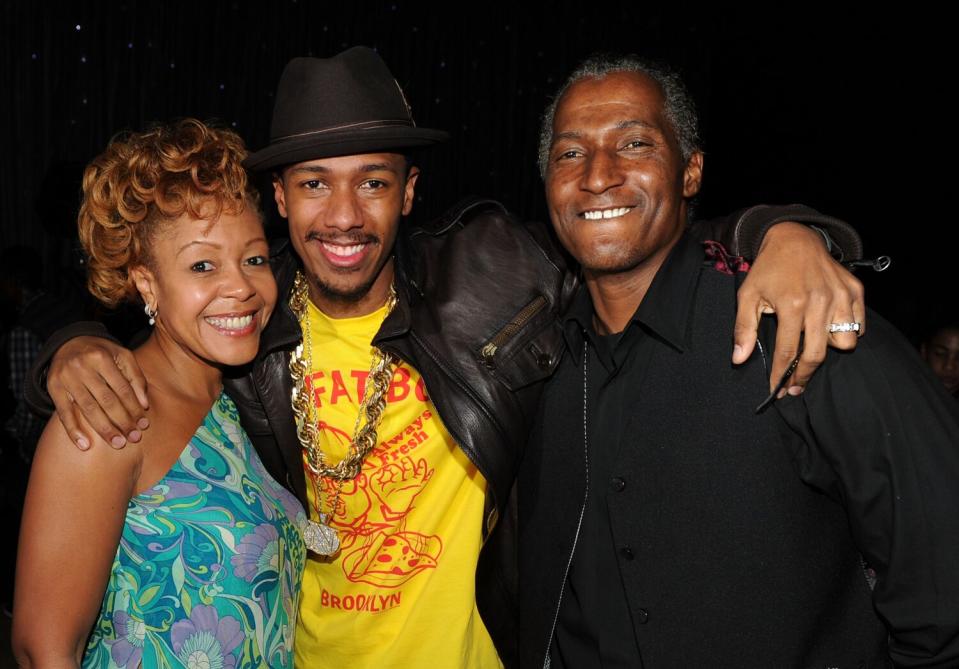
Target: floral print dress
<point x="209" y="564"/>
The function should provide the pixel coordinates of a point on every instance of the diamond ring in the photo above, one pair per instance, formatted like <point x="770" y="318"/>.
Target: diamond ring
<point x="844" y="327"/>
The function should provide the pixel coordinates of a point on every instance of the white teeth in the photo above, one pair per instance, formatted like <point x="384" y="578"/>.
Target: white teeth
<point x="343" y="251"/>
<point x="231" y="323"/>
<point x="597" y="214"/>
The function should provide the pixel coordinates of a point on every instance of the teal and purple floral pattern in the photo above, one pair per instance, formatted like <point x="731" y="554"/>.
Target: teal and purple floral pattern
<point x="209" y="563"/>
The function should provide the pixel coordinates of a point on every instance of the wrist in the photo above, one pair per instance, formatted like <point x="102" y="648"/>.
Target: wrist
<point x="789" y="232"/>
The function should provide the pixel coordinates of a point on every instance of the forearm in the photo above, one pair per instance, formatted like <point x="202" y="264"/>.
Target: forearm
<point x="60" y="640"/>
<point x="742" y="232"/>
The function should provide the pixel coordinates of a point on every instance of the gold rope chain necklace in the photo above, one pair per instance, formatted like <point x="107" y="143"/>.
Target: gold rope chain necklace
<point x="320" y="537"/>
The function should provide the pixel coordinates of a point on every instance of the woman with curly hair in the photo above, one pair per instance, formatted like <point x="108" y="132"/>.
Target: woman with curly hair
<point x="179" y="550"/>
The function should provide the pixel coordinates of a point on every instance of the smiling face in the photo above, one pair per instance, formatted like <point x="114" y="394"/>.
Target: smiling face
<point x="211" y="285"/>
<point x="616" y="184"/>
<point x="344" y="215"/>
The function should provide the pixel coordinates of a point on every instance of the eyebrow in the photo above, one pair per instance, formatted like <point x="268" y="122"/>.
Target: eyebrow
<point x="203" y="242"/>
<point x="377" y="167"/>
<point x="635" y="123"/>
<point x="322" y="169"/>
<point x="622" y="125"/>
<point x="198" y="242"/>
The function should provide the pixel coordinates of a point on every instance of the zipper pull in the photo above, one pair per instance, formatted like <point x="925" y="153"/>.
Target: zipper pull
<point x="488" y="352"/>
<point x="880" y="264"/>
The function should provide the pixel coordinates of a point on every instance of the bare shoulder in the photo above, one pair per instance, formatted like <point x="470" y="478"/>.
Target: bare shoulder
<point x="58" y="456"/>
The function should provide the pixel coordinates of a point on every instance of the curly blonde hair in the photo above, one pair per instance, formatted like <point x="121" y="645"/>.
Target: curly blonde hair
<point x="145" y="179"/>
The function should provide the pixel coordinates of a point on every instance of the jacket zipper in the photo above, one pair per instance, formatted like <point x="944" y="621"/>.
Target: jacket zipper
<point x="464" y="387"/>
<point x="488" y="352"/>
<point x="506" y="333"/>
<point x="579" y="524"/>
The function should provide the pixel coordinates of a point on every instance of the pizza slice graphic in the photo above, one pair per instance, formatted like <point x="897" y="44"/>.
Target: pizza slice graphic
<point x="390" y="560"/>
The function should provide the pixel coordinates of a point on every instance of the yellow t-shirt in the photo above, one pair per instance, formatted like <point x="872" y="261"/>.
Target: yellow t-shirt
<point x="401" y="591"/>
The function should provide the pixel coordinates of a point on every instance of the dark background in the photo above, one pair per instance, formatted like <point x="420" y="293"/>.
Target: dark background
<point x="807" y="104"/>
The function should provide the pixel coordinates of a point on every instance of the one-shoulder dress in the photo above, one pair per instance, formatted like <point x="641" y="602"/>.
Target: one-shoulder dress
<point x="209" y="564"/>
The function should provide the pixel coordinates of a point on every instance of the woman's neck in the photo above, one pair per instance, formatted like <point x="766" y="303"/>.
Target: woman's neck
<point x="178" y="372"/>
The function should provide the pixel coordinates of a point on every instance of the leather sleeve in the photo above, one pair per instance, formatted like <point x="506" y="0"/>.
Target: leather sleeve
<point x="35" y="385"/>
<point x="742" y="232"/>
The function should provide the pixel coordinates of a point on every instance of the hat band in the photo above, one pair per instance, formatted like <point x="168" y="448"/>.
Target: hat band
<point x="365" y="125"/>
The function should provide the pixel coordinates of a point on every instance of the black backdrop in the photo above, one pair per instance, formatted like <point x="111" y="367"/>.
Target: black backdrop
<point x="806" y="104"/>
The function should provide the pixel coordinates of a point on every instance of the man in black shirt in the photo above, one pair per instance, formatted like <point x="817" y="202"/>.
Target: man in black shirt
<point x="663" y="521"/>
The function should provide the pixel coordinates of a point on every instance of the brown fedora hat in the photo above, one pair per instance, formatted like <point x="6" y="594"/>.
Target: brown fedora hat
<point x="339" y="106"/>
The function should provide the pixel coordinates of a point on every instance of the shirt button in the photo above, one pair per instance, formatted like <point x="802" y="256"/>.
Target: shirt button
<point x="642" y="615"/>
<point x="626" y="552"/>
<point x="617" y="484"/>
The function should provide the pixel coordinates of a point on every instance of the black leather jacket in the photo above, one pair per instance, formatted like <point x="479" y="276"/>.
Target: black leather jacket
<point x="479" y="298"/>
<point x="482" y="341"/>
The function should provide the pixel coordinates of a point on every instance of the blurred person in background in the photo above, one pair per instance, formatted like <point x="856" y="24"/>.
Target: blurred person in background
<point x="940" y="350"/>
<point x="32" y="313"/>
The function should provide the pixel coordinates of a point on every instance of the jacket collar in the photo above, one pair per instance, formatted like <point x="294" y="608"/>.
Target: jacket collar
<point x="398" y="321"/>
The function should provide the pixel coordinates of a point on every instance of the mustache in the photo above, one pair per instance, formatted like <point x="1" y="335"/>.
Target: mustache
<point x="344" y="238"/>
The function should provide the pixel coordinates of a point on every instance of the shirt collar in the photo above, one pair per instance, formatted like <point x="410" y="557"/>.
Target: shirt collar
<point x="664" y="311"/>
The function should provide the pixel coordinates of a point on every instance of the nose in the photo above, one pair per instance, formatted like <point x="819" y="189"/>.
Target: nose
<point x="601" y="172"/>
<point x="237" y="284"/>
<point x="952" y="362"/>
<point x="342" y="211"/>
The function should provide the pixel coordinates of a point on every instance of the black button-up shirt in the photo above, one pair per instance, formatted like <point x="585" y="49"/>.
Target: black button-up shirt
<point x="874" y="432"/>
<point x="595" y="625"/>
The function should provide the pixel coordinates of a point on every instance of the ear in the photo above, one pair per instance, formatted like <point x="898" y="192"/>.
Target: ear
<point x="146" y="284"/>
<point x="410" y="189"/>
<point x="693" y="175"/>
<point x="279" y="194"/>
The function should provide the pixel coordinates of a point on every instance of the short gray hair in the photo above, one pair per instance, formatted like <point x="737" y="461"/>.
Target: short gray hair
<point x="678" y="105"/>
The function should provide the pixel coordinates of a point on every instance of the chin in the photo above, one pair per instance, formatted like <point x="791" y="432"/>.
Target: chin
<point x="346" y="294"/>
<point x="609" y="263"/>
<point x="235" y="359"/>
<point x="234" y="353"/>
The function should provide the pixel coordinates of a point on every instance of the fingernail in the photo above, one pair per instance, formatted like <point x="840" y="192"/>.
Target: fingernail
<point x="135" y="436"/>
<point x="143" y="423"/>
<point x="795" y="390"/>
<point x="118" y="441"/>
<point x="737" y="351"/>
<point x="82" y="443"/>
<point x="781" y="394"/>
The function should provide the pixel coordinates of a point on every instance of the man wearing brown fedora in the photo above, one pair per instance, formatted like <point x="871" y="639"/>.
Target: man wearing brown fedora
<point x="394" y="388"/>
